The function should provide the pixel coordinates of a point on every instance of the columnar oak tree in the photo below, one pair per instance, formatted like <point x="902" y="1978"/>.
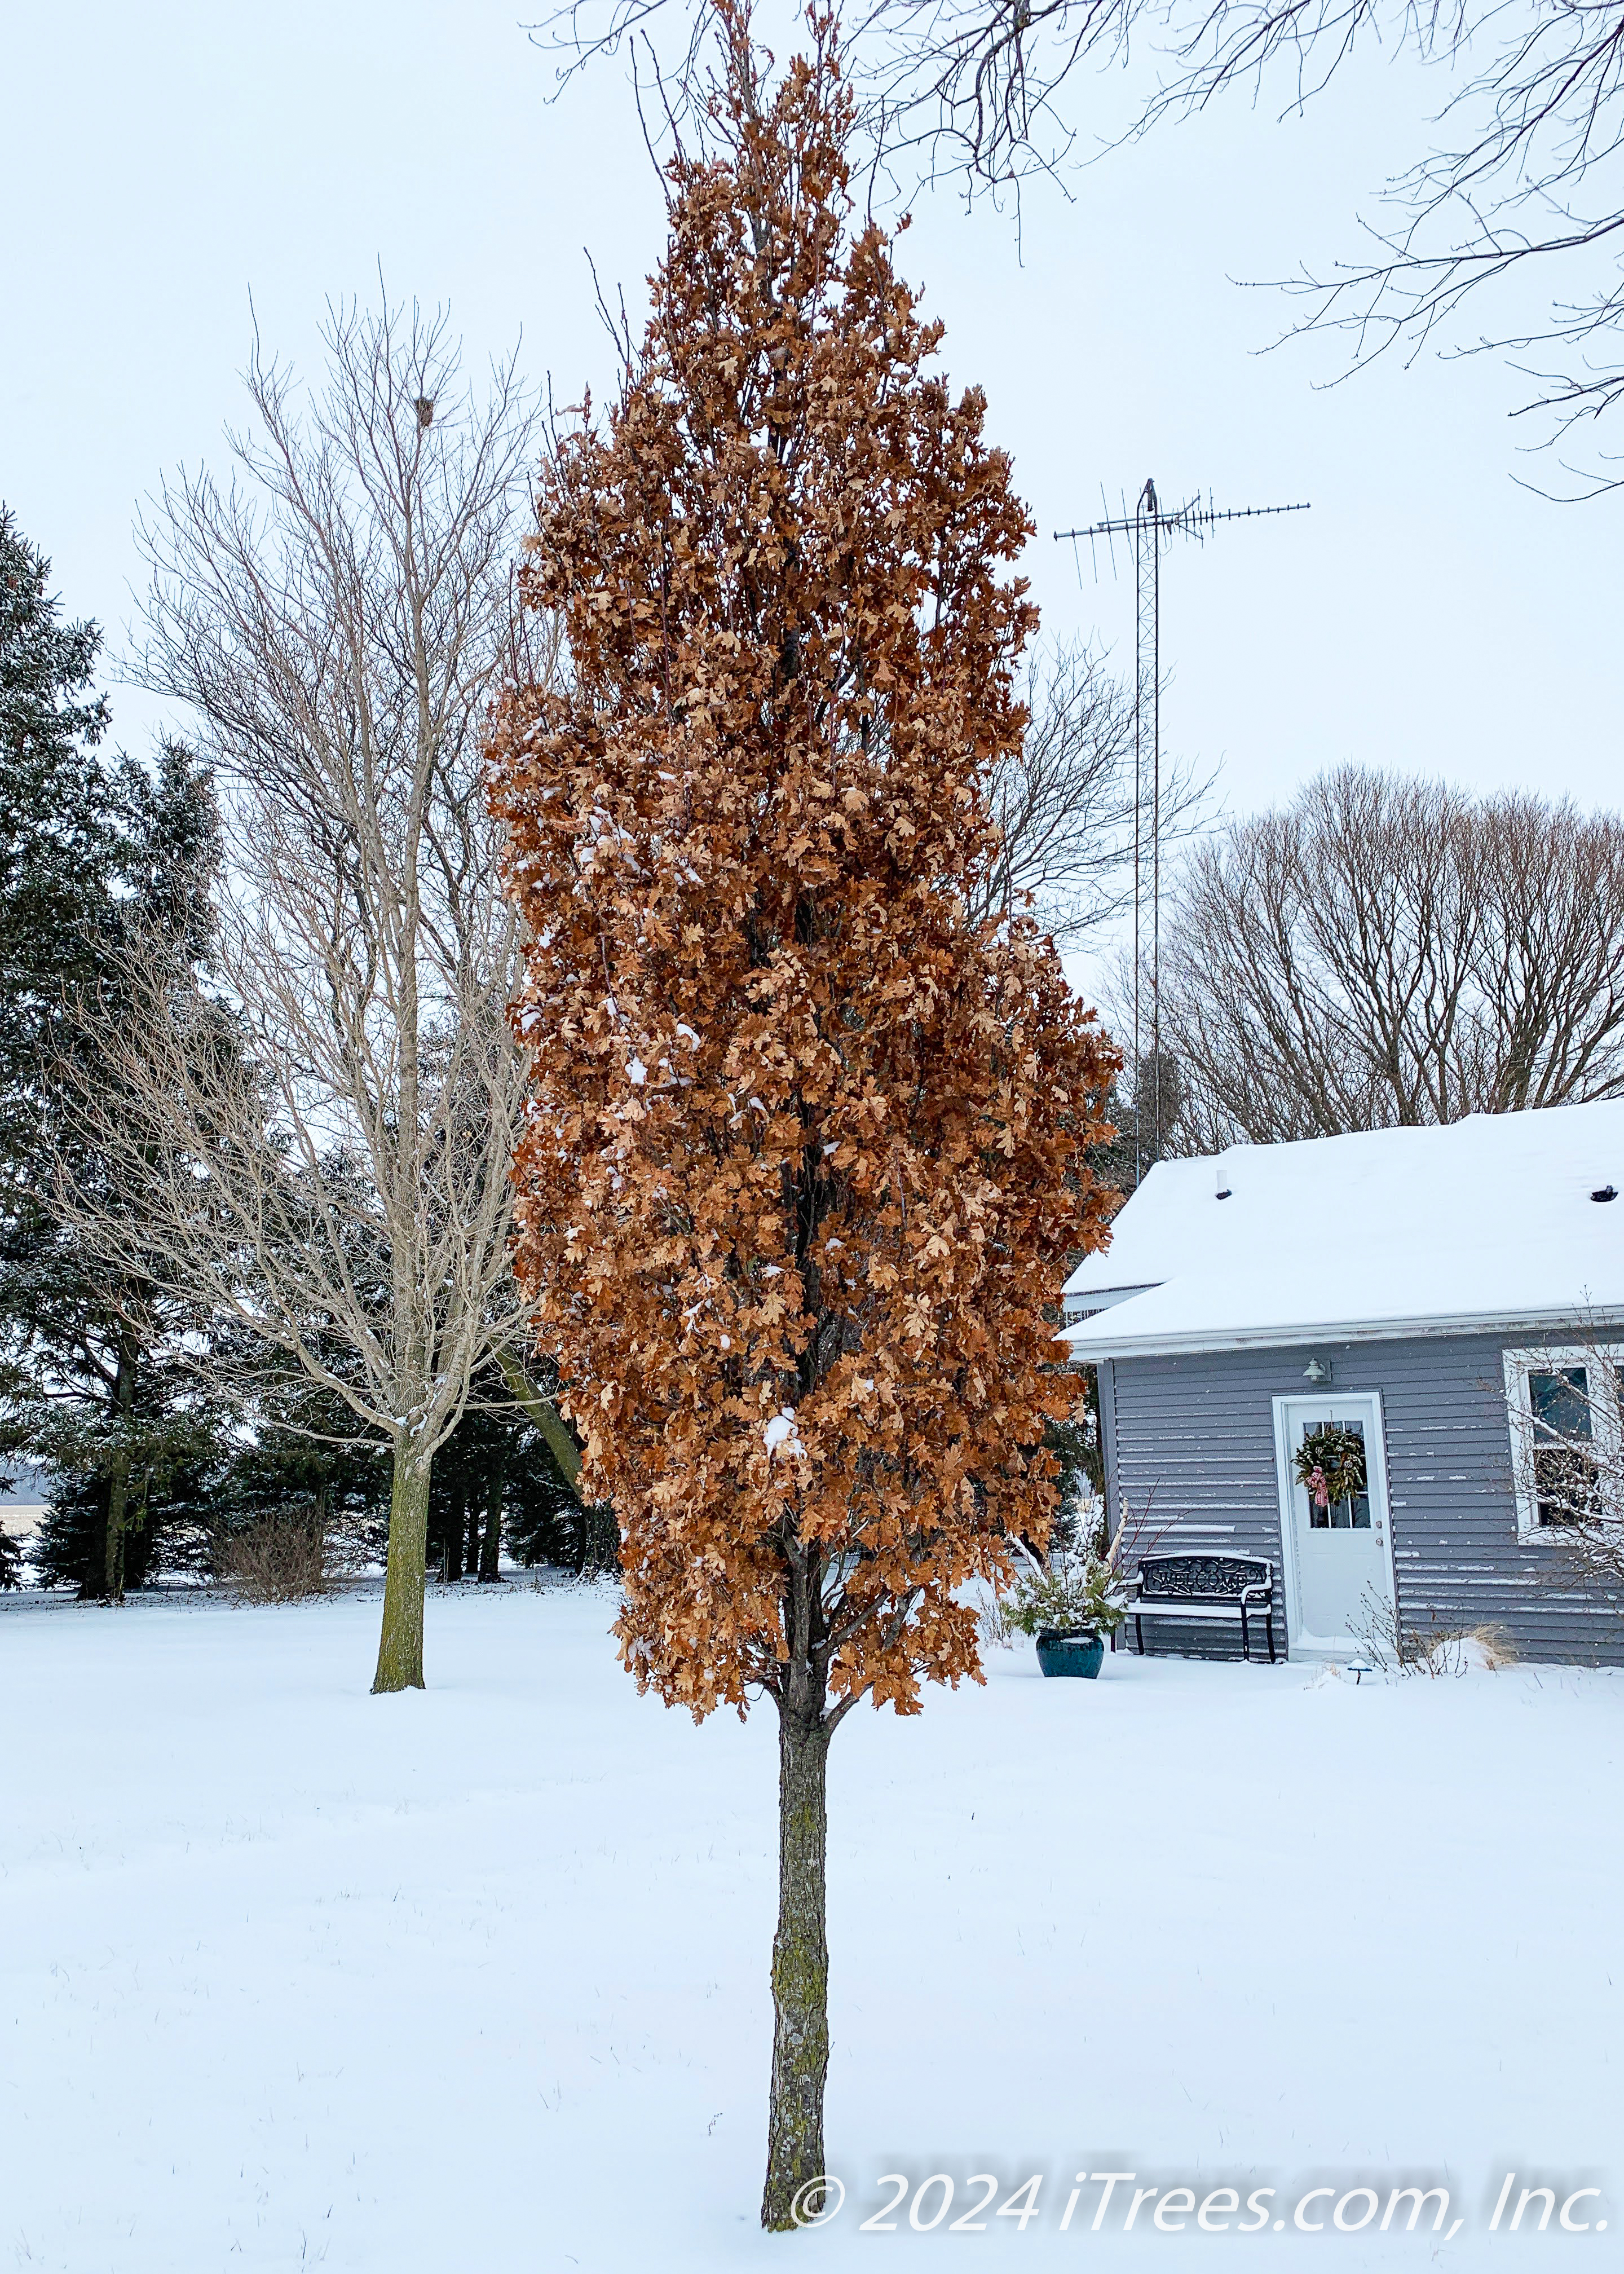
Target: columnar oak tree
<point x="803" y="1154"/>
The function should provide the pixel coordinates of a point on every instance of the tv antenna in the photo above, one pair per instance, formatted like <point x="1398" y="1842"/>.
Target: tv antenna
<point x="1151" y="526"/>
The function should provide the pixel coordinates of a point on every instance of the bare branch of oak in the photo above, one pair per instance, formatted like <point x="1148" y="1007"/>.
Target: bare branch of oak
<point x="1521" y="179"/>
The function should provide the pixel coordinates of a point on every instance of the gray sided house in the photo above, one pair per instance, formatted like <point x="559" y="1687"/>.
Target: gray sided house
<point x="1455" y="1295"/>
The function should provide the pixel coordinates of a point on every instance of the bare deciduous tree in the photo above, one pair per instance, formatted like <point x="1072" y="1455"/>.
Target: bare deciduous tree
<point x="334" y="621"/>
<point x="1523" y="175"/>
<point x="1385" y="952"/>
<point x="1067" y="803"/>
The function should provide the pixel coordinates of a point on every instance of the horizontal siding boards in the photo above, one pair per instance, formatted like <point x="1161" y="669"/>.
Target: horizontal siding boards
<point x="1195" y="1468"/>
<point x="1107" y="1443"/>
<point x="1191" y="1445"/>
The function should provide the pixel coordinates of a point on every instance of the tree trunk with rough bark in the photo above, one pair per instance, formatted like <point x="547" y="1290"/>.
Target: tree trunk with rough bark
<point x="545" y="1414"/>
<point x="118" y="1503"/>
<point x="491" y="1547"/>
<point x="118" y="1482"/>
<point x="800" y="1972"/>
<point x="454" y="1525"/>
<point x="400" y="1645"/>
<point x="93" y="1578"/>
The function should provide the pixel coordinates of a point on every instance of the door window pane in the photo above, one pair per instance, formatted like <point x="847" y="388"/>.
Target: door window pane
<point x="1350" y="1515"/>
<point x="1358" y="1507"/>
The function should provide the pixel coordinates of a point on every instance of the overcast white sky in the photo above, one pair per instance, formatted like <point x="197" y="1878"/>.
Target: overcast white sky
<point x="1427" y="614"/>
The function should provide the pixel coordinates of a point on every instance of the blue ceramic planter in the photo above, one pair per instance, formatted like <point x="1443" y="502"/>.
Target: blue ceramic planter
<point x="1078" y="1651"/>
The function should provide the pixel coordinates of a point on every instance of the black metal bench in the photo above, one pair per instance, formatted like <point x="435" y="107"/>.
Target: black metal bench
<point x="1204" y="1588"/>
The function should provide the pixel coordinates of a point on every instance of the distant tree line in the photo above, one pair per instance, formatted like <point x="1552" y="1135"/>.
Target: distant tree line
<point x="1381" y="952"/>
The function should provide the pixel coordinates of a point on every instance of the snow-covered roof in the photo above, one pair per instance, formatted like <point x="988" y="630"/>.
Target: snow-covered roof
<point x="1488" y="1222"/>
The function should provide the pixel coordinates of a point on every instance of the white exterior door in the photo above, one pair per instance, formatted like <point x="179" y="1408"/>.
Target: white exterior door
<point x="1338" y="1559"/>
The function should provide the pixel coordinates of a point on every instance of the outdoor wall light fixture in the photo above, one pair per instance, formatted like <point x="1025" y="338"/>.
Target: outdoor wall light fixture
<point x="1316" y="1371"/>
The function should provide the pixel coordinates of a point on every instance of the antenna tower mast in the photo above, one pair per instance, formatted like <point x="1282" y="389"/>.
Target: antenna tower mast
<point x="1152" y="527"/>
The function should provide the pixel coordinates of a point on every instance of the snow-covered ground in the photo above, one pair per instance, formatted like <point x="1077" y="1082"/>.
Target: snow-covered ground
<point x="476" y="1980"/>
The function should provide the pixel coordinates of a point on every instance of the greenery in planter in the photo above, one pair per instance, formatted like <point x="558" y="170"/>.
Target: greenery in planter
<point x="1076" y="1587"/>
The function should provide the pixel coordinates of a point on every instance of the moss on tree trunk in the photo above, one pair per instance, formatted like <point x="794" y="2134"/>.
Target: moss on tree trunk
<point x="545" y="1414"/>
<point x="400" y="1645"/>
<point x="800" y="1972"/>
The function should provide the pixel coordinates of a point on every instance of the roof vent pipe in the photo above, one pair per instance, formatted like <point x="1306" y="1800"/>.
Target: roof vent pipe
<point x="1222" y="1172"/>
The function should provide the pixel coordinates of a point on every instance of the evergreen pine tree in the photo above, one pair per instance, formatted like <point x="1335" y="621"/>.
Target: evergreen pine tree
<point x="54" y="841"/>
<point x="92" y="855"/>
<point x="58" y="849"/>
<point x="56" y="854"/>
<point x="497" y="1480"/>
<point x="102" y="1392"/>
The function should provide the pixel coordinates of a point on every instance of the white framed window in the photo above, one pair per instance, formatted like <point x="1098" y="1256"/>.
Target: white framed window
<point x="1566" y="1406"/>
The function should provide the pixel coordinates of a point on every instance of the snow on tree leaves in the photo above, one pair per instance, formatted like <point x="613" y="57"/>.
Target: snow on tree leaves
<point x="806" y="1147"/>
